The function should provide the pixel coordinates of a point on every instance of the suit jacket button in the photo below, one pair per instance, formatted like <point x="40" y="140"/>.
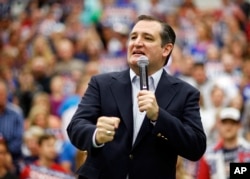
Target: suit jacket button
<point x="131" y="156"/>
<point x="159" y="135"/>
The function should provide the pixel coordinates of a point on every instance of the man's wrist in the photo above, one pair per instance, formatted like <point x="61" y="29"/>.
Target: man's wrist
<point x="95" y="143"/>
<point x="155" y="117"/>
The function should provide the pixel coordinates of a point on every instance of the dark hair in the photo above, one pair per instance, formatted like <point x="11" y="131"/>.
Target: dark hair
<point x="198" y="65"/>
<point x="45" y="137"/>
<point x="167" y="34"/>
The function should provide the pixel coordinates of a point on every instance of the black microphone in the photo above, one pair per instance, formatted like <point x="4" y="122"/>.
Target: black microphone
<point x="143" y="70"/>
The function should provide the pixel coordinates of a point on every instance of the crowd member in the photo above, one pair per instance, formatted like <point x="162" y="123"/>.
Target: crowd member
<point x="200" y="80"/>
<point x="155" y="8"/>
<point x="230" y="148"/>
<point x="181" y="172"/>
<point x="70" y="104"/>
<point x="230" y="69"/>
<point x="202" y="41"/>
<point x="245" y="80"/>
<point x="40" y="72"/>
<point x="213" y="65"/>
<point x="7" y="75"/>
<point x="45" y="166"/>
<point x="11" y="126"/>
<point x="27" y="88"/>
<point x="25" y="35"/>
<point x="187" y="11"/>
<point x="67" y="156"/>
<point x="57" y="94"/>
<point x="40" y="116"/>
<point x="89" y="47"/>
<point x="186" y="68"/>
<point x="68" y="152"/>
<point x="143" y="139"/>
<point x="67" y="65"/>
<point x="30" y="144"/>
<point x="40" y="47"/>
<point x="41" y="101"/>
<point x="5" y="162"/>
<point x="209" y="115"/>
<point x="246" y="121"/>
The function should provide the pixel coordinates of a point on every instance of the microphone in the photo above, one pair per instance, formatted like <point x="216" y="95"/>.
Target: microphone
<point x="143" y="70"/>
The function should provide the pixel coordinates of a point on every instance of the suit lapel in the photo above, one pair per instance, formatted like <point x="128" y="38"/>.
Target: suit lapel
<point x="121" y="89"/>
<point x="166" y="90"/>
<point x="164" y="93"/>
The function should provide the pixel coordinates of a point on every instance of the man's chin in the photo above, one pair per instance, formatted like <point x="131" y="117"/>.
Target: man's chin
<point x="133" y="61"/>
<point x="134" y="58"/>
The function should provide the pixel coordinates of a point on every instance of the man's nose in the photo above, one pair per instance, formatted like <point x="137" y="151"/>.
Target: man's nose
<point x="138" y="42"/>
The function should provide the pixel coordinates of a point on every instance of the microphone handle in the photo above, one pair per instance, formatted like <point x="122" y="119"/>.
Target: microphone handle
<point x="143" y="77"/>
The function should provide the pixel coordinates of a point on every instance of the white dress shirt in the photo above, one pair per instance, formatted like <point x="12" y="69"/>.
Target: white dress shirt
<point x="137" y="115"/>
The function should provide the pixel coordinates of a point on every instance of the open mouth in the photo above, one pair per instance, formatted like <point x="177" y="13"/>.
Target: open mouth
<point x="137" y="52"/>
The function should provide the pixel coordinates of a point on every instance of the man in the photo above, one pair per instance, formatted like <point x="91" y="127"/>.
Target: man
<point x="67" y="66"/>
<point x="138" y="135"/>
<point x="11" y="126"/>
<point x="45" y="166"/>
<point x="5" y="161"/>
<point x="230" y="148"/>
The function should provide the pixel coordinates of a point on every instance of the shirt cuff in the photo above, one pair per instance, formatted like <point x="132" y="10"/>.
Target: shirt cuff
<point x="94" y="142"/>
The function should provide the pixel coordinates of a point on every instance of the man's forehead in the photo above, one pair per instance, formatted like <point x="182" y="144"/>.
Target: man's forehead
<point x="146" y="27"/>
<point x="152" y="24"/>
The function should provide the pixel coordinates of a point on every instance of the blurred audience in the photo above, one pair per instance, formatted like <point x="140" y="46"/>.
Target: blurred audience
<point x="30" y="144"/>
<point x="230" y="147"/>
<point x="57" y="94"/>
<point x="45" y="166"/>
<point x="6" y="166"/>
<point x="50" y="48"/>
<point x="11" y="127"/>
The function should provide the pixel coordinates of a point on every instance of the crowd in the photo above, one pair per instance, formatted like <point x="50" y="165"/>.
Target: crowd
<point x="49" y="49"/>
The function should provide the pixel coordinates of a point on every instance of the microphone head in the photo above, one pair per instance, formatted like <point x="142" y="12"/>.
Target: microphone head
<point x="142" y="61"/>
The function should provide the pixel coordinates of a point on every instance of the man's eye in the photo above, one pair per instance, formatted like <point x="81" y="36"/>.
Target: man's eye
<point x="133" y="37"/>
<point x="148" y="38"/>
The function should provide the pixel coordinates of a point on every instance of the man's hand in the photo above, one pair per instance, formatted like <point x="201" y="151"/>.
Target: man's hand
<point x="147" y="102"/>
<point x="106" y="127"/>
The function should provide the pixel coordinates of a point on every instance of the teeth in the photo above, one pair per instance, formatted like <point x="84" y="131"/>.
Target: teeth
<point x="138" y="53"/>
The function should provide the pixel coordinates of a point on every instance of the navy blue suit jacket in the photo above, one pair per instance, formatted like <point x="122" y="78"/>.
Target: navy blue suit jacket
<point x="178" y="130"/>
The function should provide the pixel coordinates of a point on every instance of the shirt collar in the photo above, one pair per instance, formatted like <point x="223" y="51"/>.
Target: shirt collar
<point x="156" y="76"/>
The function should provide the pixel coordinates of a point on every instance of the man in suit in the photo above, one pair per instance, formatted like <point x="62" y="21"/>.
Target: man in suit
<point x="133" y="133"/>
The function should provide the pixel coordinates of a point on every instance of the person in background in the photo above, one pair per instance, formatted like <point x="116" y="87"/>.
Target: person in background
<point x="67" y="66"/>
<point x="40" y="73"/>
<point x="5" y="161"/>
<point x="30" y="144"/>
<point x="209" y="115"/>
<point x="40" y="116"/>
<point x="42" y="49"/>
<point x="181" y="173"/>
<point x="27" y="88"/>
<point x="133" y="133"/>
<point x="230" y="148"/>
<point x="41" y="105"/>
<point x="57" y="95"/>
<point x="67" y="155"/>
<point x="11" y="126"/>
<point x="46" y="165"/>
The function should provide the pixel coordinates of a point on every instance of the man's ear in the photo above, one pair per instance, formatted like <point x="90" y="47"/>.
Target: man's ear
<point x="167" y="49"/>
